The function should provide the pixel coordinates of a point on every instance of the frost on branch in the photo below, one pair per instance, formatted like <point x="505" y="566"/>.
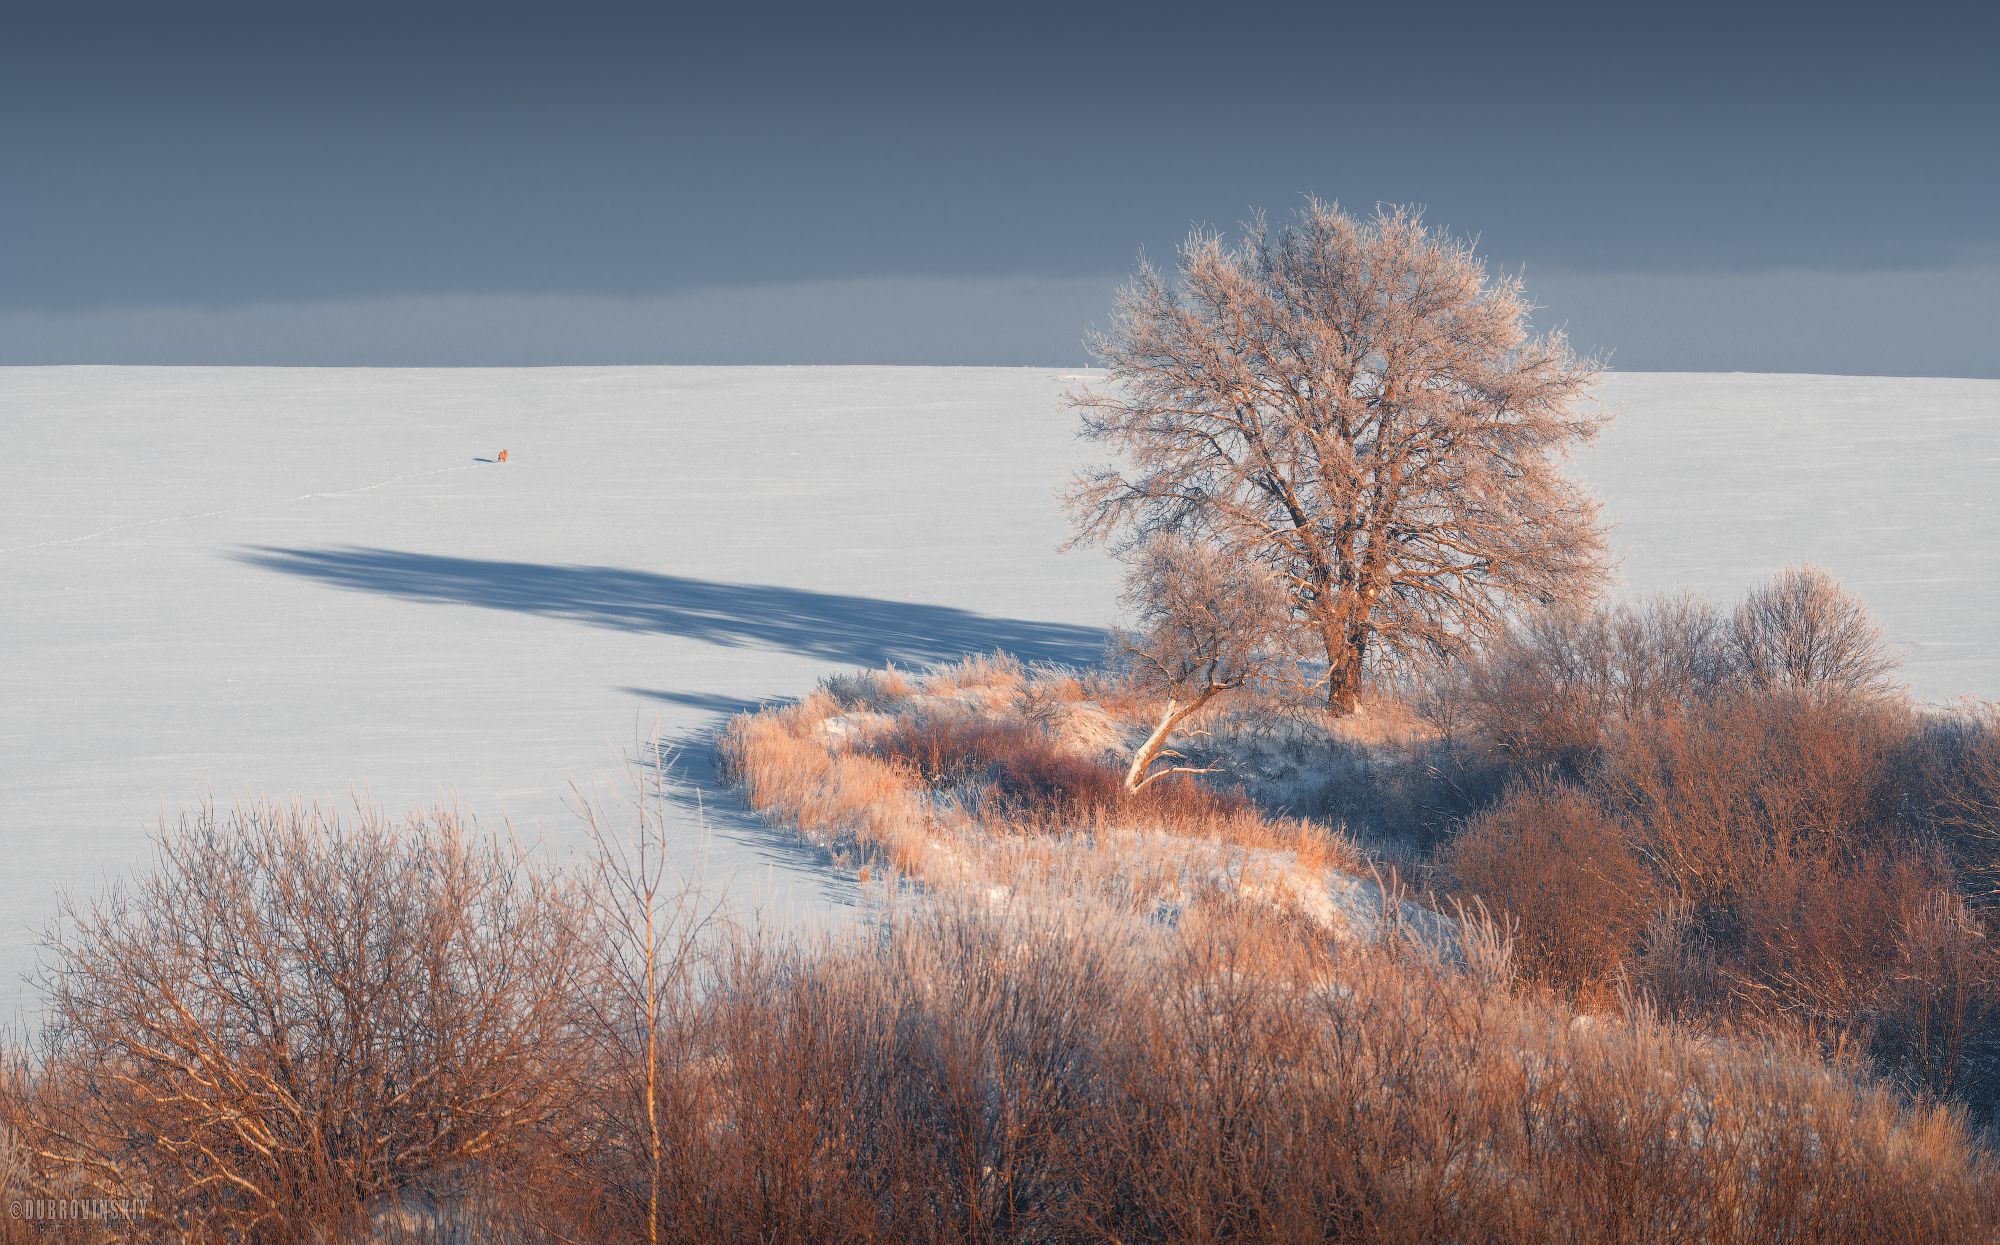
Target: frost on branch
<point x="1209" y="624"/>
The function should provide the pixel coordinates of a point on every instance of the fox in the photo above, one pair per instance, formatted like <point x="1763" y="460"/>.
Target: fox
<point x="503" y="456"/>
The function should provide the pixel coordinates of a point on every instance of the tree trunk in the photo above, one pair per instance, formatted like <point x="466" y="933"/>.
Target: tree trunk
<point x="1136" y="776"/>
<point x="1343" y="697"/>
<point x="1344" y="653"/>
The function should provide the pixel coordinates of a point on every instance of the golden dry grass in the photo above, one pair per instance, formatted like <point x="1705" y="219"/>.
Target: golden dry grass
<point x="952" y="779"/>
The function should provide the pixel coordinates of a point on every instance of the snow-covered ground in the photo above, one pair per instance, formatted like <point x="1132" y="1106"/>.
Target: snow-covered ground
<point x="1714" y="481"/>
<point x="244" y="581"/>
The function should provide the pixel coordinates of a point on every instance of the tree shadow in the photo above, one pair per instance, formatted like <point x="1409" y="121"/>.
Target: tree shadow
<point x="682" y="770"/>
<point x="708" y="702"/>
<point x="859" y="631"/>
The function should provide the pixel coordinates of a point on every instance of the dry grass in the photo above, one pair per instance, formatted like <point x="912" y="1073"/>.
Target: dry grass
<point x="793" y="765"/>
<point x="984" y="774"/>
<point x="1034" y="781"/>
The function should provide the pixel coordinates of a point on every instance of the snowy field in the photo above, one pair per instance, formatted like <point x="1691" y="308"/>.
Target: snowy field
<point x="248" y="581"/>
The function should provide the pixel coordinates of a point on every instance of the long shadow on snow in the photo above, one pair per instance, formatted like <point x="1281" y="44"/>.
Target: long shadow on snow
<point x="682" y="769"/>
<point x="860" y="631"/>
<point x="723" y="707"/>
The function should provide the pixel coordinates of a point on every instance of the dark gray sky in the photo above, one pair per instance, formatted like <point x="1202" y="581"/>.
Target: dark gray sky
<point x="1690" y="186"/>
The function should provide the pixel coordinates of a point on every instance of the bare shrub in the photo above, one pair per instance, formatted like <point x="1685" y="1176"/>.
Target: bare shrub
<point x="1800" y="629"/>
<point x="1938" y="1021"/>
<point x="1777" y="825"/>
<point x="1675" y="651"/>
<point x="1544" y="693"/>
<point x="1875" y="951"/>
<point x="1718" y="789"/>
<point x="1953" y="778"/>
<point x="1039" y="1074"/>
<point x="1816" y="935"/>
<point x="1674" y="968"/>
<point x="1552" y="859"/>
<point x="299" y="1023"/>
<point x="1784" y="803"/>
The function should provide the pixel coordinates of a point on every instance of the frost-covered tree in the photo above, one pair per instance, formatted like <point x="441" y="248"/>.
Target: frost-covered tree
<point x="1358" y="407"/>
<point x="1801" y="629"/>
<point x="1209" y="624"/>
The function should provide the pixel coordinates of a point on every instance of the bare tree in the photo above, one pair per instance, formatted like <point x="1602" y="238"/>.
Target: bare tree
<point x="1209" y="624"/>
<point x="648" y="927"/>
<point x="1358" y="407"/>
<point x="1801" y="629"/>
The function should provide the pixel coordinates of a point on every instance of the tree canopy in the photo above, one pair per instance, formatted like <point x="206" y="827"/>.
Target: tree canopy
<point x="1356" y="405"/>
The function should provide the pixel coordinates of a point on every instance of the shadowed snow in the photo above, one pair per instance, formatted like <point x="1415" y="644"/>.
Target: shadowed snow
<point x="847" y="630"/>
